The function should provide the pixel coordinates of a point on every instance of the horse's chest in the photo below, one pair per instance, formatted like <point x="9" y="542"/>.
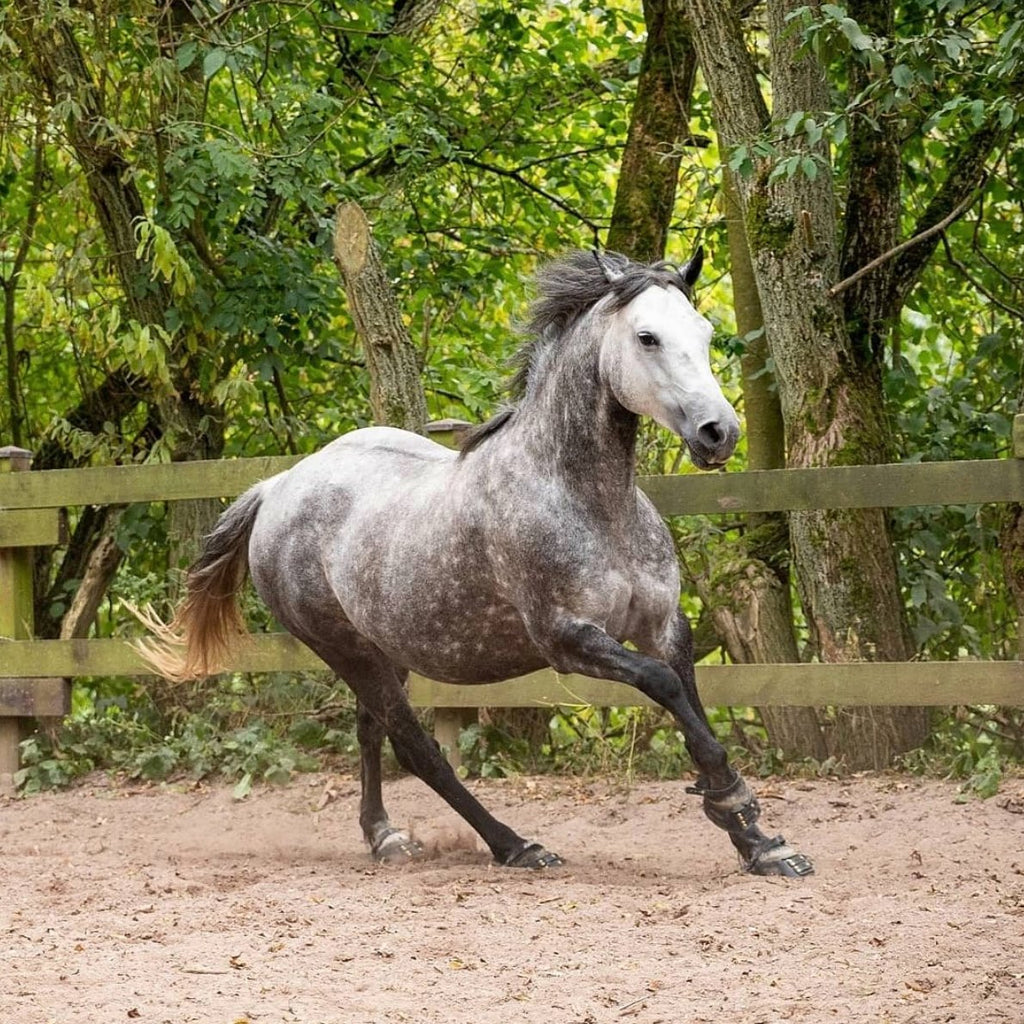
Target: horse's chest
<point x="638" y="606"/>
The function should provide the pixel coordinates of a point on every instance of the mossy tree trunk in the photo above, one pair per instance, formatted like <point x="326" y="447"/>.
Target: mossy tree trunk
<point x="750" y="596"/>
<point x="831" y="401"/>
<point x="1011" y="534"/>
<point x="659" y="124"/>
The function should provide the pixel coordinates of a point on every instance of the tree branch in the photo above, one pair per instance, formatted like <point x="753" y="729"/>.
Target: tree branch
<point x="529" y="186"/>
<point x="903" y="247"/>
<point x="968" y="171"/>
<point x="978" y="286"/>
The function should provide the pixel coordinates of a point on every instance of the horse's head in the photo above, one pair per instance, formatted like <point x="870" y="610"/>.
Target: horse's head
<point x="655" y="357"/>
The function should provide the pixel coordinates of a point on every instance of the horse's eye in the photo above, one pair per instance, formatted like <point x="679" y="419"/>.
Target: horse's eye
<point x="647" y="339"/>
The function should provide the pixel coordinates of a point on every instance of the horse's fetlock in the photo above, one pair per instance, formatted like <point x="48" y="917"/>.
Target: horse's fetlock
<point x="734" y="808"/>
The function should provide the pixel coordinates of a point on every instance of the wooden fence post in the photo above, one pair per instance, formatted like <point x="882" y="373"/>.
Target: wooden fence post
<point x="15" y="616"/>
<point x="449" y="722"/>
<point x="1017" y="451"/>
<point x="20" y="699"/>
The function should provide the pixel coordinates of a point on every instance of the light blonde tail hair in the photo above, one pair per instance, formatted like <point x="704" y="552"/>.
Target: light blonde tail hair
<point x="207" y="623"/>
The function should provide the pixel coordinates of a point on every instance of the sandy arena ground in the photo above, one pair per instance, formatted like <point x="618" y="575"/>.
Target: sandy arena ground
<point x="178" y="904"/>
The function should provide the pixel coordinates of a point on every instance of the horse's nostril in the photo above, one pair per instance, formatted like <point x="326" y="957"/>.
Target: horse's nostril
<point x="712" y="434"/>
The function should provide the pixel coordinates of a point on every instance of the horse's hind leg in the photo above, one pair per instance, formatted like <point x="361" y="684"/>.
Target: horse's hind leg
<point x="388" y="844"/>
<point x="419" y="753"/>
<point x="384" y="707"/>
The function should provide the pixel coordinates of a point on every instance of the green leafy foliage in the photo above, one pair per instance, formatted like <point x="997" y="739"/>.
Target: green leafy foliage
<point x="975" y="744"/>
<point x="253" y="732"/>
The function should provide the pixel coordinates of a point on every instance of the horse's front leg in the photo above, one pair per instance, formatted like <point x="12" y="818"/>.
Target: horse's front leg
<point x="583" y="647"/>
<point x="732" y="807"/>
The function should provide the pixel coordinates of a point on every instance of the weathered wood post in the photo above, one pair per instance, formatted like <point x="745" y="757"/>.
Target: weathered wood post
<point x="20" y="699"/>
<point x="397" y="398"/>
<point x="449" y="722"/>
<point x="1018" y="453"/>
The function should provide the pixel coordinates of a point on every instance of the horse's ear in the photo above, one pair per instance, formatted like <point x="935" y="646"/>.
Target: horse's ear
<point x="690" y="270"/>
<point x="610" y="274"/>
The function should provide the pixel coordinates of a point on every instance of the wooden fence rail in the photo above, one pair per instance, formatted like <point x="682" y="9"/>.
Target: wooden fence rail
<point x="894" y="485"/>
<point x="34" y="673"/>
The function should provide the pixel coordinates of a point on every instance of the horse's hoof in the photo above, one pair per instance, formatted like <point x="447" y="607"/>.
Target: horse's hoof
<point x="396" y="847"/>
<point x="534" y="856"/>
<point x="778" y="858"/>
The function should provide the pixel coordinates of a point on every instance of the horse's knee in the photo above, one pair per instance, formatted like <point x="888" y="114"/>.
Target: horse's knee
<point x="660" y="683"/>
<point x="664" y="685"/>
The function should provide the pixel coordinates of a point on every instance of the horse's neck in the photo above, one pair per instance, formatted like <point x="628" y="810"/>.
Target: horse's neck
<point x="574" y="429"/>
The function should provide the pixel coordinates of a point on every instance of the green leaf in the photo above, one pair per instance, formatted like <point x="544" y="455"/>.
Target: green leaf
<point x="953" y="46"/>
<point x="214" y="61"/>
<point x="740" y="162"/>
<point x="859" y="40"/>
<point x="186" y="55"/>
<point x="243" y="787"/>
<point x="902" y="76"/>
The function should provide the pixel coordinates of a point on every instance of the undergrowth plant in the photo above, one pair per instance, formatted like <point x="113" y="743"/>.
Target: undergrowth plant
<point x="252" y="729"/>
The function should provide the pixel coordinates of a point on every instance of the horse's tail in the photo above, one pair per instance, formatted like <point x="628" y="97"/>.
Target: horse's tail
<point x="207" y="621"/>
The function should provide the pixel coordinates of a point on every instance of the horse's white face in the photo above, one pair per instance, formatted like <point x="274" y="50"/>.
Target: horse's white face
<point x="656" y="360"/>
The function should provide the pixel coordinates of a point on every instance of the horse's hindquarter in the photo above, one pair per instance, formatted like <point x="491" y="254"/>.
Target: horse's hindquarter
<point x="306" y="510"/>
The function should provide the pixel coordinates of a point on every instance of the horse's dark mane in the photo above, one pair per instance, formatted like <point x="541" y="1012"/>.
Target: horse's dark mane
<point x="566" y="289"/>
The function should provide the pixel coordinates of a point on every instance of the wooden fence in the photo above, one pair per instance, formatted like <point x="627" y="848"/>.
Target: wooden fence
<point x="35" y="674"/>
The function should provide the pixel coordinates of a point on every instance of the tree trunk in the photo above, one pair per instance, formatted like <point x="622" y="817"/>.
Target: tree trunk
<point x="649" y="172"/>
<point x="1011" y="534"/>
<point x="100" y="567"/>
<point x="873" y="207"/>
<point x="396" y="390"/>
<point x="1011" y="549"/>
<point x="832" y="405"/>
<point x="752" y="604"/>
<point x="196" y="430"/>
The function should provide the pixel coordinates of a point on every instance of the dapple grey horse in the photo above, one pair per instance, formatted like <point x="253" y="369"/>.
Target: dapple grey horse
<point x="386" y="553"/>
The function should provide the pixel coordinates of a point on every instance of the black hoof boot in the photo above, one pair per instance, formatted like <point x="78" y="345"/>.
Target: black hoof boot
<point x="393" y="846"/>
<point x="777" y="857"/>
<point x="736" y="810"/>
<point x="534" y="856"/>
